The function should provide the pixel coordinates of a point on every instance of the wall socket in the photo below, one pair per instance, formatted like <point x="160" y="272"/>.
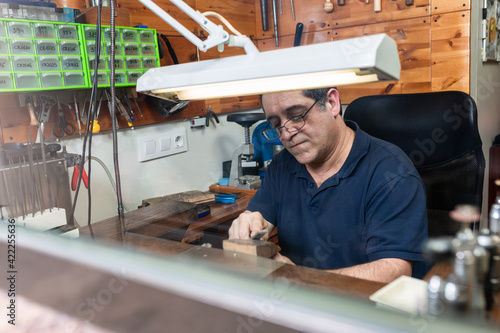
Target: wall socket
<point x="161" y="144"/>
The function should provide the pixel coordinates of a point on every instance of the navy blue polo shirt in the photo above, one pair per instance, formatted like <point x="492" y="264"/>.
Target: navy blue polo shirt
<point x="373" y="208"/>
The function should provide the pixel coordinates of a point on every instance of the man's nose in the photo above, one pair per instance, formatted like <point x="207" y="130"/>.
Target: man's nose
<point x="285" y="134"/>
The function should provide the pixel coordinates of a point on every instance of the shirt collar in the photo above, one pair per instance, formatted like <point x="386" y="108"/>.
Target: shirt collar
<point x="359" y="149"/>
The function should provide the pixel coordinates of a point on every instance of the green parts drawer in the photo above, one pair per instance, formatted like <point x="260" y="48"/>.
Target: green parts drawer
<point x="136" y="51"/>
<point x="36" y="55"/>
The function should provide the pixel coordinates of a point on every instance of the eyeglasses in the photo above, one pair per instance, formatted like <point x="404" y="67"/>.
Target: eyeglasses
<point x="292" y="125"/>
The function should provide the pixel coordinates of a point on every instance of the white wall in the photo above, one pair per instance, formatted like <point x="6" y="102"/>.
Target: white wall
<point x="485" y="90"/>
<point x="196" y="169"/>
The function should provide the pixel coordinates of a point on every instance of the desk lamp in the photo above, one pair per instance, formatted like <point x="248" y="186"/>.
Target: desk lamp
<point x="337" y="63"/>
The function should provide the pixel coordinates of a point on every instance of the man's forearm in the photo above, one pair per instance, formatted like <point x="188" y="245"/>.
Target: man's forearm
<point x="382" y="270"/>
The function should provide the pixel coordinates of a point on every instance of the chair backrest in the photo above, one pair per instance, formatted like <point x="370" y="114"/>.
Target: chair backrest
<point x="439" y="132"/>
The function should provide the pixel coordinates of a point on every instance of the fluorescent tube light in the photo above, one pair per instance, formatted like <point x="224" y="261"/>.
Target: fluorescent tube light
<point x="338" y="63"/>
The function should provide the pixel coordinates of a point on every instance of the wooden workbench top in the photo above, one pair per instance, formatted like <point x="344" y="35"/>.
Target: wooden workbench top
<point x="143" y="227"/>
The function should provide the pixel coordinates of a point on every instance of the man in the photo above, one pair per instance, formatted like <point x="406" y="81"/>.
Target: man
<point x="342" y="200"/>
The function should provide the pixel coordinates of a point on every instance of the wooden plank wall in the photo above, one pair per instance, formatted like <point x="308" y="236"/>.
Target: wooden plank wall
<point x="432" y="38"/>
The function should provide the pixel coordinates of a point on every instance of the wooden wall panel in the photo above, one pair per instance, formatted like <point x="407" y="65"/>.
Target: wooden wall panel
<point x="241" y="14"/>
<point x="433" y="49"/>
<point x="309" y="13"/>
<point x="141" y="15"/>
<point x="358" y="12"/>
<point x="287" y="41"/>
<point x="448" y="6"/>
<point x="450" y="35"/>
<point x="413" y="43"/>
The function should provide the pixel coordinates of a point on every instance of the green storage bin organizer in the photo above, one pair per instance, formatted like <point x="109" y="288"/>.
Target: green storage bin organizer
<point x="39" y="55"/>
<point x="136" y="51"/>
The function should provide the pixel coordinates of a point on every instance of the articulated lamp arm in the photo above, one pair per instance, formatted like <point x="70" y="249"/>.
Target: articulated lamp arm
<point x="217" y="36"/>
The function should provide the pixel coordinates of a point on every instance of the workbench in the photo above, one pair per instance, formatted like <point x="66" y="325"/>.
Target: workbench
<point x="125" y="275"/>
<point x="149" y="228"/>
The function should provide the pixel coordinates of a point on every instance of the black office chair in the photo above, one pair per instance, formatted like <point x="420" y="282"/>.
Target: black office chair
<point x="439" y="132"/>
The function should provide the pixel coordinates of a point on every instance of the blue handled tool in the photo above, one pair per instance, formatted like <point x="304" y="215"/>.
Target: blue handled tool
<point x="225" y="198"/>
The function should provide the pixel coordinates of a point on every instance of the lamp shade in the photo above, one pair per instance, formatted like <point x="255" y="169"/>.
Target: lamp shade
<point x="337" y="63"/>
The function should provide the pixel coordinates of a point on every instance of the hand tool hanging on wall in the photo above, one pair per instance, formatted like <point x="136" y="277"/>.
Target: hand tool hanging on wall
<point x="275" y="18"/>
<point x="263" y="14"/>
<point x="26" y="100"/>
<point x="63" y="126"/>
<point x="77" y="113"/>
<point x="377" y="6"/>
<point x="135" y="102"/>
<point x="212" y="114"/>
<point x="293" y="10"/>
<point x="127" y="104"/>
<point x="83" y="97"/>
<point x="47" y="103"/>
<point x="341" y="2"/>
<point x="328" y="6"/>
<point x="30" y="104"/>
<point x="96" y="128"/>
<point x="76" y="161"/>
<point x="298" y="34"/>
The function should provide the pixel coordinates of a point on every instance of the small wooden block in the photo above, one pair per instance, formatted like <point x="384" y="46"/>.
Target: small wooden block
<point x="254" y="247"/>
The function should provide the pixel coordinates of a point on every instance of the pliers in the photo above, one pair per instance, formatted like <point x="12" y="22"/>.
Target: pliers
<point x="212" y="114"/>
<point x="76" y="173"/>
<point x="225" y="198"/>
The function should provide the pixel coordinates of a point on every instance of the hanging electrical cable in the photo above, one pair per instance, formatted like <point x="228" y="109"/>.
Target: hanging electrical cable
<point x="113" y="117"/>
<point x="90" y="121"/>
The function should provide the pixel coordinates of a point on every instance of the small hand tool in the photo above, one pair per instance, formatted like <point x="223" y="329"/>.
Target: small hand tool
<point x="83" y="100"/>
<point x="202" y="210"/>
<point x="298" y="34"/>
<point x="275" y="18"/>
<point x="31" y="109"/>
<point x="293" y="10"/>
<point x="137" y="105"/>
<point x="210" y="113"/>
<point x="377" y="5"/>
<point x="127" y="105"/>
<point x="328" y="6"/>
<point x="225" y="198"/>
<point x="259" y="234"/>
<point x="47" y="103"/>
<point x="77" y="113"/>
<point x="63" y="126"/>
<point x="15" y="201"/>
<point x="263" y="13"/>
<point x="120" y="108"/>
<point x="77" y="161"/>
<point x="96" y="128"/>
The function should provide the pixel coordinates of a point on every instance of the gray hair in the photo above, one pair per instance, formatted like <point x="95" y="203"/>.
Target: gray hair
<point x="318" y="94"/>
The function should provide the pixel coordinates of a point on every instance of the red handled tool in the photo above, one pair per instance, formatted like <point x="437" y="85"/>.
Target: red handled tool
<point x="76" y="161"/>
<point x="76" y="174"/>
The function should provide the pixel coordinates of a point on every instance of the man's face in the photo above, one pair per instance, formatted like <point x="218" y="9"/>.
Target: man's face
<point x="315" y="142"/>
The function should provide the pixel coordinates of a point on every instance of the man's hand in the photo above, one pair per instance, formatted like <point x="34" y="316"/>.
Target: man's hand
<point x="280" y="258"/>
<point x="248" y="224"/>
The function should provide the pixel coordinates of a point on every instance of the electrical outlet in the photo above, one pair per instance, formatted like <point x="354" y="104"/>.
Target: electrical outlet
<point x="161" y="144"/>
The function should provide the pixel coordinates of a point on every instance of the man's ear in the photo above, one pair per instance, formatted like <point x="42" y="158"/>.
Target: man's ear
<point x="333" y="101"/>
